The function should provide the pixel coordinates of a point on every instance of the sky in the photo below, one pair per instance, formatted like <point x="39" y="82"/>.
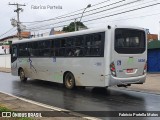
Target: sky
<point x="38" y="10"/>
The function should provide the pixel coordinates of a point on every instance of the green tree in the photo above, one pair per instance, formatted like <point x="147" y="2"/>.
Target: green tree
<point x="71" y="26"/>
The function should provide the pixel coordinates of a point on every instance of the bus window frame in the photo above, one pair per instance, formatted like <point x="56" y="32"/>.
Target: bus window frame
<point x="130" y="50"/>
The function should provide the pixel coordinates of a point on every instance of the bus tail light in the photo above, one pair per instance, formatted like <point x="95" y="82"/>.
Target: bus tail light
<point x="113" y="69"/>
<point x="145" y="69"/>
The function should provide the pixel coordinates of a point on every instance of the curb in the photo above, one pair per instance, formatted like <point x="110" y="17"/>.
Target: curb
<point x="141" y="91"/>
<point x="52" y="107"/>
<point x="5" y="71"/>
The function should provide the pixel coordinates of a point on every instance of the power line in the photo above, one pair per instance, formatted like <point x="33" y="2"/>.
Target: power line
<point x="6" y="32"/>
<point x="64" y="16"/>
<point x="92" y="13"/>
<point x="122" y="12"/>
<point x="87" y="11"/>
<point x="108" y="21"/>
<point x="77" y="13"/>
<point x="10" y="34"/>
<point x="136" y="17"/>
<point x="125" y="8"/>
<point x="106" y="16"/>
<point x="29" y="1"/>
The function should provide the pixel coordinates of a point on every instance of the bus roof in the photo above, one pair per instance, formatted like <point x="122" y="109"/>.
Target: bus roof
<point x="82" y="32"/>
<point x="75" y="33"/>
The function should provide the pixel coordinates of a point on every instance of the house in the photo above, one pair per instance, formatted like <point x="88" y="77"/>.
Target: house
<point x="151" y="37"/>
<point x="15" y="37"/>
<point x="6" y="41"/>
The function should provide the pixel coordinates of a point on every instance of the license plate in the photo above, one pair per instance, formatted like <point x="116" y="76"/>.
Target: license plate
<point x="129" y="70"/>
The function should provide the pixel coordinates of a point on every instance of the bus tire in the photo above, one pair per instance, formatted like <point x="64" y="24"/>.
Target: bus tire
<point x="69" y="81"/>
<point x="23" y="78"/>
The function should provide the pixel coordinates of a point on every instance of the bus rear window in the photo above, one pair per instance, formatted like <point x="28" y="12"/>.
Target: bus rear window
<point x="129" y="41"/>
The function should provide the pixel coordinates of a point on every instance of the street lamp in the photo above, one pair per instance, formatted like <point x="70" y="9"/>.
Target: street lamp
<point x="89" y="5"/>
<point x="75" y="26"/>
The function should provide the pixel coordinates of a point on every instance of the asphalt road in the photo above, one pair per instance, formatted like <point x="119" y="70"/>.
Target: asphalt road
<point x="89" y="99"/>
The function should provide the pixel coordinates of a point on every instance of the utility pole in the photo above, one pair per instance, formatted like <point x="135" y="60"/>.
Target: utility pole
<point x="75" y="25"/>
<point x="18" y="20"/>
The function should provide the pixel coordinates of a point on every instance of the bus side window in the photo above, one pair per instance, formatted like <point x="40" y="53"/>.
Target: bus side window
<point x="77" y="52"/>
<point x="63" y="42"/>
<point x="79" y="46"/>
<point x="23" y="50"/>
<point x="69" y="52"/>
<point x="93" y="44"/>
<point x="62" y="47"/>
<point x="44" y="48"/>
<point x="14" y="54"/>
<point x="69" y="47"/>
<point x="53" y="47"/>
<point x="97" y="42"/>
<point x="30" y="49"/>
<point x="33" y="49"/>
<point x="74" y="46"/>
<point x="14" y="51"/>
<point x="57" y="45"/>
<point x="69" y="41"/>
<point x="62" y="52"/>
<point x="88" y="40"/>
<point x="87" y="45"/>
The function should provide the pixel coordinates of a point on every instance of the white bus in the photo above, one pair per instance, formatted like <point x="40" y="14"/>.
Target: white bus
<point x="113" y="55"/>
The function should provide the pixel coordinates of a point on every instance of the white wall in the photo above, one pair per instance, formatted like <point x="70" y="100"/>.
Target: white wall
<point x="1" y="50"/>
<point x="5" y="61"/>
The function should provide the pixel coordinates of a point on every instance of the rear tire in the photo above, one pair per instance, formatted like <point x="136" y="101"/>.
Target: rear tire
<point x="23" y="78"/>
<point x="69" y="81"/>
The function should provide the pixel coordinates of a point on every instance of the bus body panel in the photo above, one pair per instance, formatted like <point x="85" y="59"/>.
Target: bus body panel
<point x="126" y="81"/>
<point x="88" y="71"/>
<point x="129" y="67"/>
<point x="133" y="63"/>
<point x="107" y="55"/>
<point x="47" y="69"/>
<point x="14" y="68"/>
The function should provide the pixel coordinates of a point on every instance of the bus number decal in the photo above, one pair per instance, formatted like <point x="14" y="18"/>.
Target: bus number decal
<point x="141" y="60"/>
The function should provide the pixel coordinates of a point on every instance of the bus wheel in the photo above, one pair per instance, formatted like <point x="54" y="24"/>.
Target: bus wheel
<point x="22" y="76"/>
<point x="69" y="81"/>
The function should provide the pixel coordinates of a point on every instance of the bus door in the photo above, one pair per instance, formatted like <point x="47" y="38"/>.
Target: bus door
<point x="129" y="57"/>
<point x="14" y="56"/>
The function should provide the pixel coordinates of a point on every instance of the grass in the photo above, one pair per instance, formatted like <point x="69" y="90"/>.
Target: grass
<point x="24" y="118"/>
<point x="4" y="109"/>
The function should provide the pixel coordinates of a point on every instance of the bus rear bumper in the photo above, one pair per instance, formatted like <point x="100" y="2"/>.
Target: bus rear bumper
<point x="127" y="81"/>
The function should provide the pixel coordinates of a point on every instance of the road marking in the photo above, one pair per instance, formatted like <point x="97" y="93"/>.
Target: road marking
<point x="52" y="107"/>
